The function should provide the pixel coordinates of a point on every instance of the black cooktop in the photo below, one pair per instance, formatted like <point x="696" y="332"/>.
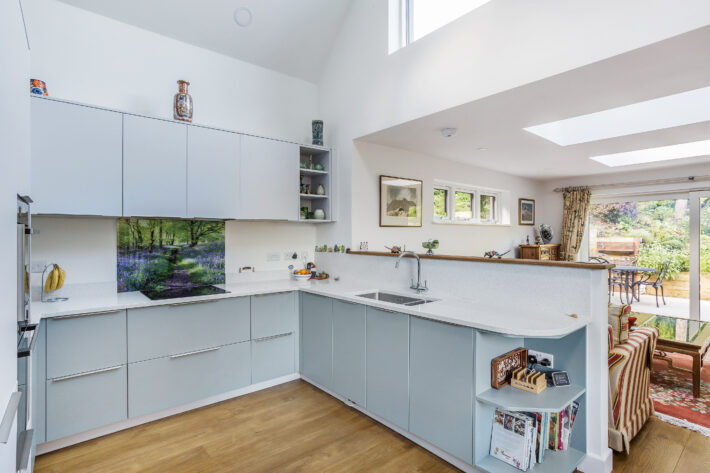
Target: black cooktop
<point x="187" y="291"/>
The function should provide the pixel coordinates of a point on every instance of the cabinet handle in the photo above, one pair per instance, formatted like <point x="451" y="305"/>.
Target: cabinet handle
<point x="196" y="352"/>
<point x="263" y="339"/>
<point x="201" y="301"/>
<point x="87" y="314"/>
<point x="79" y="375"/>
<point x="387" y="310"/>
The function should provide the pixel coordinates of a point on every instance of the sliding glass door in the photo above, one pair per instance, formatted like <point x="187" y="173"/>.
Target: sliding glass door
<point x="666" y="238"/>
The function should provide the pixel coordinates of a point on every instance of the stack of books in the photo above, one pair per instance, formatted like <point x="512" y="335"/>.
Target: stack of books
<point x="521" y="438"/>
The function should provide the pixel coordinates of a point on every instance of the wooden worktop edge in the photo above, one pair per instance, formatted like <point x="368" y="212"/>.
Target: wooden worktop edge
<point x="480" y="259"/>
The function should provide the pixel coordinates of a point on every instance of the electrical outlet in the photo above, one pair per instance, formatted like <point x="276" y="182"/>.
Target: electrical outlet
<point x="542" y="356"/>
<point x="273" y="257"/>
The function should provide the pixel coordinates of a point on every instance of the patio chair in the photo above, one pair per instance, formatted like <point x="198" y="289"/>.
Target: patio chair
<point x="612" y="280"/>
<point x="657" y="284"/>
<point x="629" y="362"/>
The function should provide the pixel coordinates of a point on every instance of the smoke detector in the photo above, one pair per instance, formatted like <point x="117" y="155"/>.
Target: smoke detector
<point x="448" y="132"/>
<point x="242" y="17"/>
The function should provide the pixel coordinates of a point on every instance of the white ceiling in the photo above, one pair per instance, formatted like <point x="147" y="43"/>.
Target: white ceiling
<point x="675" y="65"/>
<point x="289" y="36"/>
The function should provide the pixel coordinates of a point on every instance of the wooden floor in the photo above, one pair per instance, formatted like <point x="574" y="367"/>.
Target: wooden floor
<point x="295" y="427"/>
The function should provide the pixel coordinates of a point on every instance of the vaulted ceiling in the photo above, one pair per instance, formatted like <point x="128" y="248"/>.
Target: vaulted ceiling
<point x="289" y="36"/>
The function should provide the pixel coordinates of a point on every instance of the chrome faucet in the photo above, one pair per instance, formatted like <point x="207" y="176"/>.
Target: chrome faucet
<point x="418" y="287"/>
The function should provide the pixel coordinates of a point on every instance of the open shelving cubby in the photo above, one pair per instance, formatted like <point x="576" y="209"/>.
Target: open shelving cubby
<point x="312" y="156"/>
<point x="570" y="355"/>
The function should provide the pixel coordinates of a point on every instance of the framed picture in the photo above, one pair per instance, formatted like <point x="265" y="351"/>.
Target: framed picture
<point x="400" y="202"/>
<point x="526" y="212"/>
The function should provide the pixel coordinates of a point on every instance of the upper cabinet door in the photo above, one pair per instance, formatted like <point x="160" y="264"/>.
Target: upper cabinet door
<point x="76" y="159"/>
<point x="154" y="168"/>
<point x="269" y="179"/>
<point x="212" y="173"/>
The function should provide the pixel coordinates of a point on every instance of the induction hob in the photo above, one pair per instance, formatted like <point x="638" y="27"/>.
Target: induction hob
<point x="187" y="291"/>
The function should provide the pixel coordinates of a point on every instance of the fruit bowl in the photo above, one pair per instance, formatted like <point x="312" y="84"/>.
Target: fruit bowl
<point x="301" y="277"/>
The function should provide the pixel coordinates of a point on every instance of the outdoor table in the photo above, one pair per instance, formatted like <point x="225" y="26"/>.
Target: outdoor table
<point x="628" y="276"/>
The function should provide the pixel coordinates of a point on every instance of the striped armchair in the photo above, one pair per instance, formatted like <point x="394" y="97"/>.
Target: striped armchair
<point x="630" y="402"/>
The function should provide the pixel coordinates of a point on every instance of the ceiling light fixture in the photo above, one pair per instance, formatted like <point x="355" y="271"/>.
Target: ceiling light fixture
<point x="482" y="149"/>
<point x="242" y="17"/>
<point x="448" y="132"/>
<point x="652" y="155"/>
<point x="670" y="111"/>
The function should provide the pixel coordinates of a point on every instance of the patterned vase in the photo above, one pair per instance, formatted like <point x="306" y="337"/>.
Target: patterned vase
<point x="317" y="126"/>
<point x="182" y="106"/>
<point x="38" y="87"/>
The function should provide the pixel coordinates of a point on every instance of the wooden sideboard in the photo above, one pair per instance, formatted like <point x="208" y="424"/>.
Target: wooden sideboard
<point x="540" y="252"/>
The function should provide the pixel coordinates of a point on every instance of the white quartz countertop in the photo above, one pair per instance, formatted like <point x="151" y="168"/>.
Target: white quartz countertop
<point x="493" y="316"/>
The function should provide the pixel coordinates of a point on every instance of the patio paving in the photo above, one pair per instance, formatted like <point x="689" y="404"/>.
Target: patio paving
<point x="675" y="306"/>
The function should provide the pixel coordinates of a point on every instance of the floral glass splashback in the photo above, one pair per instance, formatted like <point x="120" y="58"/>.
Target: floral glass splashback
<point x="160" y="254"/>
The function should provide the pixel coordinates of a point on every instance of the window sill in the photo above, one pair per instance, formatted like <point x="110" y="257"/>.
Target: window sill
<point x="470" y="224"/>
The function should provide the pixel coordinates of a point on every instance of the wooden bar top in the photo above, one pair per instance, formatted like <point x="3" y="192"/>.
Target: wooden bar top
<point x="480" y="259"/>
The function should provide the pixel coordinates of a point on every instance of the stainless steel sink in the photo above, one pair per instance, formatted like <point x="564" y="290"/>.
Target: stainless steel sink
<point x="395" y="298"/>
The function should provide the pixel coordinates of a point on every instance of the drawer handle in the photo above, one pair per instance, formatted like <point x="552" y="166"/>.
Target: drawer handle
<point x="79" y="375"/>
<point x="201" y="301"/>
<point x="263" y="339"/>
<point x="196" y="352"/>
<point x="87" y="314"/>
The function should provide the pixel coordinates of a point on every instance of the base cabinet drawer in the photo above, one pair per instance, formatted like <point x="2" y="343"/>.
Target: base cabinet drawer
<point x="273" y="314"/>
<point x="272" y="357"/>
<point x="85" y="401"/>
<point x="170" y="381"/>
<point x="186" y="327"/>
<point x="85" y="343"/>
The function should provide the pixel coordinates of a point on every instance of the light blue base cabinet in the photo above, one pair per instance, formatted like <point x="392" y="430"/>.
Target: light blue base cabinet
<point x="272" y="357"/>
<point x="85" y="401"/>
<point x="317" y="339"/>
<point x="441" y="386"/>
<point x="170" y="381"/>
<point x="388" y="365"/>
<point x="273" y="314"/>
<point x="349" y="351"/>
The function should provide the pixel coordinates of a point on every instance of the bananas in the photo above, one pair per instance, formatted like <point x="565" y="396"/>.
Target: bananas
<point x="55" y="279"/>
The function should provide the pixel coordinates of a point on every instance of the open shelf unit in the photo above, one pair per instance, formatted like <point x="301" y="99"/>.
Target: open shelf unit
<point x="310" y="179"/>
<point x="570" y="355"/>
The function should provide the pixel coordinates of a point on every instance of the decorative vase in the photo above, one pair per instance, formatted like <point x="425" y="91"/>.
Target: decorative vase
<point x="320" y="190"/>
<point x="318" y="214"/>
<point x="317" y="126"/>
<point x="38" y="87"/>
<point x="182" y="106"/>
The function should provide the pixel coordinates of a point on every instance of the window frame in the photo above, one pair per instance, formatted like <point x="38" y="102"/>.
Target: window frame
<point x="450" y="204"/>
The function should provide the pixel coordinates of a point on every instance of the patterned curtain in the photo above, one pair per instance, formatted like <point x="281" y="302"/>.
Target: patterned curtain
<point x="574" y="219"/>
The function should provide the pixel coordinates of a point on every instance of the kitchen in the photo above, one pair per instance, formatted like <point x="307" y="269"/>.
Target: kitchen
<point x="204" y="234"/>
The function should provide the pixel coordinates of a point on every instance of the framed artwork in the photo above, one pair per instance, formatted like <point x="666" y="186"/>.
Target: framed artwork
<point x="400" y="202"/>
<point x="526" y="212"/>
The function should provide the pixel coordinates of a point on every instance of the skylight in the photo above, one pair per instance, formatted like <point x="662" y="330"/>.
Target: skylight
<point x="652" y="155"/>
<point x="680" y="109"/>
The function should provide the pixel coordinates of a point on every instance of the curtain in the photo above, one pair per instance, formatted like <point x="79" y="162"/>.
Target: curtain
<point x="574" y="218"/>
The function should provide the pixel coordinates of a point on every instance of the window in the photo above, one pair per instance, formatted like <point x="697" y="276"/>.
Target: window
<point x="455" y="203"/>
<point x="413" y="19"/>
<point x="441" y="203"/>
<point x="488" y="208"/>
<point x="464" y="205"/>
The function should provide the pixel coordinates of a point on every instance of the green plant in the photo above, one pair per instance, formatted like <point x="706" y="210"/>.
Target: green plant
<point x="653" y="255"/>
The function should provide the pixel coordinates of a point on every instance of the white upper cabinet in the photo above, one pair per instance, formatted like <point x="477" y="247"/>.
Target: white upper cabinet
<point x="76" y="159"/>
<point x="154" y="168"/>
<point x="212" y="173"/>
<point x="268" y="179"/>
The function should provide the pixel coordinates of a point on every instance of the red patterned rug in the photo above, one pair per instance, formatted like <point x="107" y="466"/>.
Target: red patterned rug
<point x="672" y="394"/>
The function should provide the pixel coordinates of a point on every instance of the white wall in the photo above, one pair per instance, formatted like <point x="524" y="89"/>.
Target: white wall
<point x="14" y="179"/>
<point x="501" y="45"/>
<point x="86" y="247"/>
<point x="373" y="160"/>
<point x="89" y="58"/>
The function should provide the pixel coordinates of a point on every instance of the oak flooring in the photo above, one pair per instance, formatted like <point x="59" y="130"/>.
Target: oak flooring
<point x="295" y="427"/>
